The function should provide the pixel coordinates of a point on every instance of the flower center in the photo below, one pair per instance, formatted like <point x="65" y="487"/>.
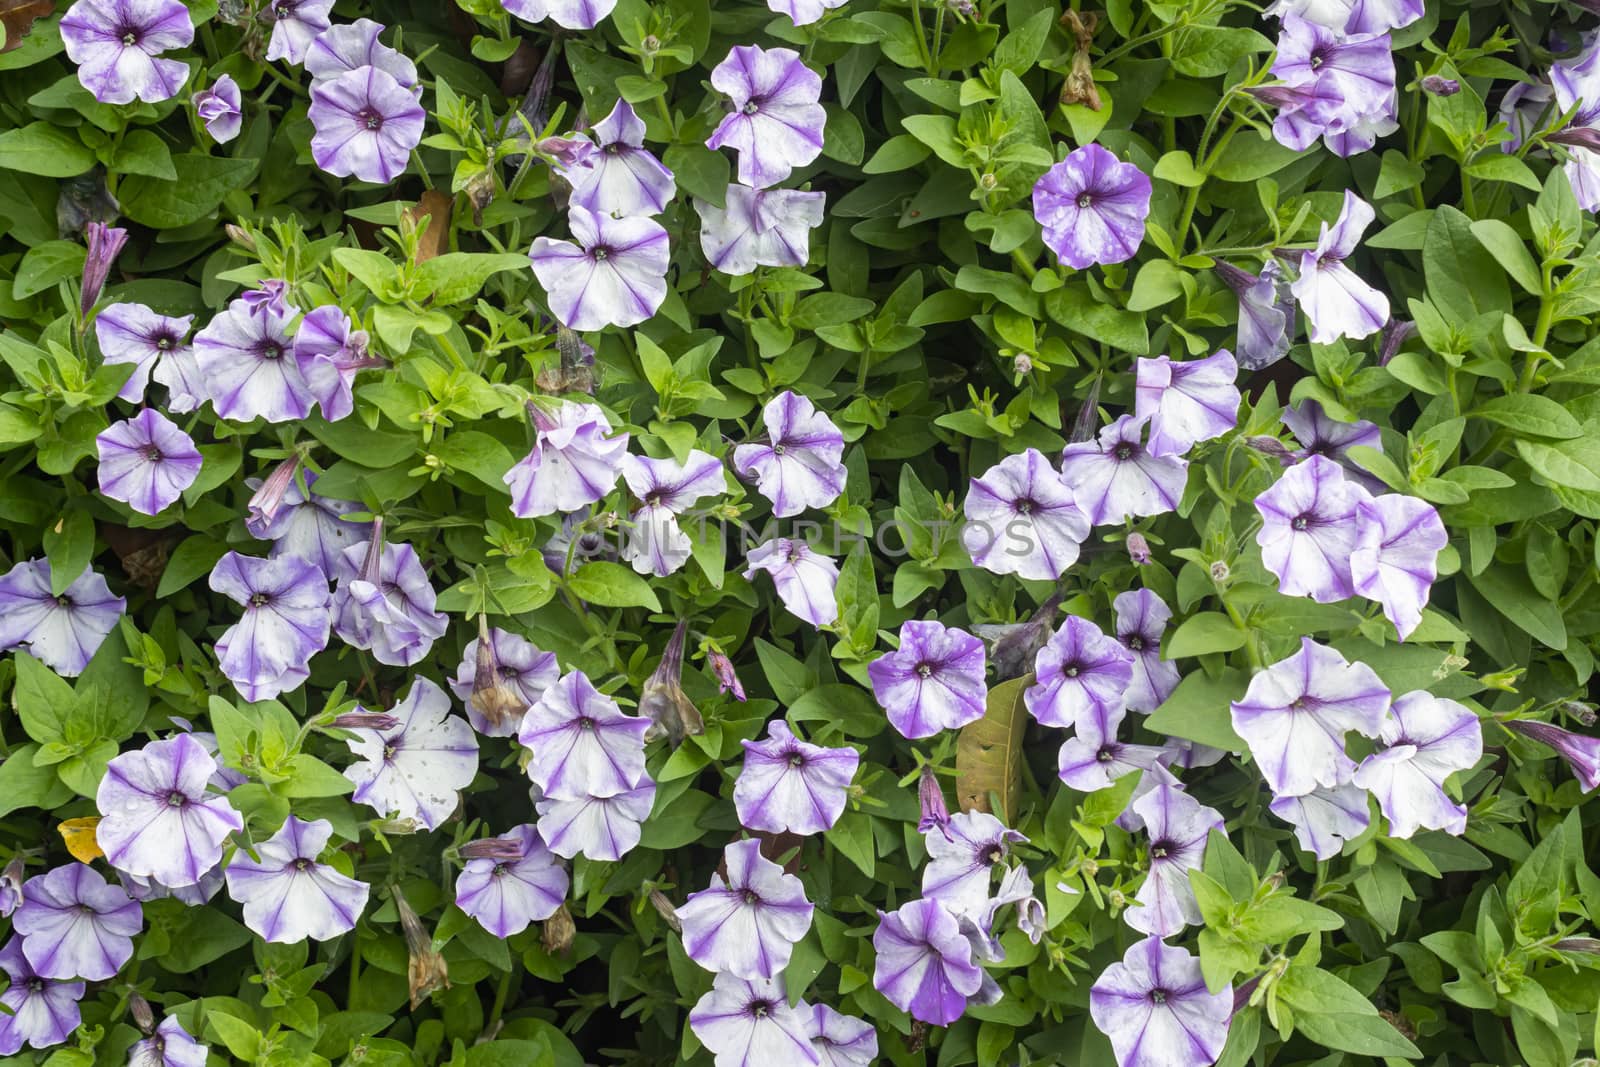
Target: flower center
<point x="176" y="799"/>
<point x="1159" y="849"/>
<point x="271" y="350"/>
<point x="613" y="149"/>
<point x="925" y="670"/>
<point x="1071" y="670"/>
<point x="284" y="8"/>
<point x="1300" y="522"/>
<point x="751" y="897"/>
<point x="995" y="853"/>
<point x="165" y="343"/>
<point x="778" y="449"/>
<point x="1085" y="200"/>
<point x="1135" y="642"/>
<point x="1025" y="506"/>
<point x="585" y="723"/>
<point x="752" y="106"/>
<point x="510" y="673"/>
<point x="1123" y="451"/>
<point x="36" y="985"/>
<point x="600" y="253"/>
<point x="302" y="864"/>
<point x="1316" y="60"/>
<point x="1158" y="996"/>
<point x="796" y="760"/>
<point x="370" y="118"/>
<point x="151" y="453"/>
<point x="260" y="600"/>
<point x="1105" y="755"/>
<point x="389" y="750"/>
<point x="130" y="37"/>
<point x="64" y="601"/>
<point x="760" y="1008"/>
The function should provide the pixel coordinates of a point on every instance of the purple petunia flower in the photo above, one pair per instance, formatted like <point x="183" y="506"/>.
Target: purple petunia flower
<point x="1155" y="1008"/>
<point x="575" y="461"/>
<point x="933" y="813"/>
<point x="309" y="526"/>
<point x="1295" y="714"/>
<point x="798" y="466"/>
<point x="582" y="743"/>
<point x="1352" y="16"/>
<point x="170" y="1046"/>
<point x="925" y="963"/>
<point x="1426" y="739"/>
<point x="748" y="922"/>
<point x="415" y="769"/>
<point x="804" y="577"/>
<point x="11" y="878"/>
<point x="1117" y="478"/>
<point x="295" y="24"/>
<point x="759" y="228"/>
<point x="749" y="1023"/>
<point x="1522" y="108"/>
<point x="1092" y="207"/>
<point x="1575" y="86"/>
<point x="1023" y="519"/>
<point x="40" y="1011"/>
<point x="75" y="925"/>
<point x="193" y="896"/>
<point x="132" y="333"/>
<point x="841" y="1040"/>
<point x="665" y="489"/>
<point x="1352" y="73"/>
<point x="115" y="45"/>
<point x="62" y="632"/>
<point x="1093" y="758"/>
<point x="775" y="122"/>
<point x="524" y="668"/>
<point x="1266" y="311"/>
<point x="104" y="243"/>
<point x="285" y="622"/>
<point x="1080" y="672"/>
<point x="156" y="819"/>
<point x="220" y="108"/>
<point x="338" y="50"/>
<point x="384" y="602"/>
<point x="1581" y="753"/>
<point x="601" y="828"/>
<point x="1186" y="403"/>
<point x="1310" y="524"/>
<point x="1178" y="827"/>
<point x="614" y="275"/>
<point x="1320" y="435"/>
<point x="963" y="855"/>
<point x="505" y="895"/>
<point x="146" y="462"/>
<point x="366" y="123"/>
<point x="623" y="177"/>
<point x="568" y="14"/>
<point x="933" y="682"/>
<point x="1324" y="819"/>
<point x="1396" y="556"/>
<point x="789" y="786"/>
<point x="804" y="13"/>
<point x="289" y="896"/>
<point x="1335" y="301"/>
<point x="329" y="352"/>
<point x="245" y="357"/>
<point x="1142" y="617"/>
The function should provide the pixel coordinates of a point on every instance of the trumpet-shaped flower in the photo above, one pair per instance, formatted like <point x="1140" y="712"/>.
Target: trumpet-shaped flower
<point x="789" y="786"/>
<point x="1080" y="672"/>
<point x="1426" y="739"/>
<point x="748" y="922"/>
<point x="288" y="895"/>
<point x="415" y="769"/>
<point x="1023" y="519"/>
<point x="582" y="743"/>
<point x="933" y="682"/>
<point x="62" y="632"/>
<point x="157" y="821"/>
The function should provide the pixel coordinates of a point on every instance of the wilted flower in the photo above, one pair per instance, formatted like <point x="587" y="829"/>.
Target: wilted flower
<point x="75" y="925"/>
<point x="963" y="856"/>
<point x="798" y="466"/>
<point x="62" y="632"/>
<point x="426" y="970"/>
<point x="671" y="713"/>
<point x="1155" y="1008"/>
<point x="930" y="801"/>
<point x="775" y="123"/>
<point x="1266" y="313"/>
<point x="1023" y="519"/>
<point x="115" y="45"/>
<point x="1426" y="739"/>
<point x="11" y="880"/>
<point x="40" y="1011"/>
<point x="132" y="333"/>
<point x="338" y="50"/>
<point x="749" y="1023"/>
<point x="104" y="244"/>
<point x="146" y="462"/>
<point x="285" y="622"/>
<point x="1178" y="827"/>
<point x="748" y="922"/>
<point x="568" y="14"/>
<point x="1325" y="818"/>
<point x="1092" y="207"/>
<point x="789" y="786"/>
<point x="614" y="275"/>
<point x="505" y="895"/>
<point x="666" y="489"/>
<point x="933" y="682"/>
<point x="623" y="177"/>
<point x="1310" y="524"/>
<point x="1117" y="478"/>
<point x="1186" y="403"/>
<point x="1581" y="753"/>
<point x="1080" y="672"/>
<point x="289" y="896"/>
<point x="1439" y="85"/>
<point x="1335" y="301"/>
<point x="500" y="677"/>
<point x="330" y="352"/>
<point x="759" y="228"/>
<point x="245" y="361"/>
<point x="924" y="962"/>
<point x="366" y="125"/>
<point x="582" y="743"/>
<point x="727" y="677"/>
<point x="558" y="932"/>
<point x="415" y="769"/>
<point x="575" y="461"/>
<point x="1396" y="556"/>
<point x="805" y="579"/>
<point x="384" y="601"/>
<point x="601" y="828"/>
<point x="219" y="107"/>
<point x="1014" y="646"/>
<point x="841" y="1040"/>
<point x="157" y="820"/>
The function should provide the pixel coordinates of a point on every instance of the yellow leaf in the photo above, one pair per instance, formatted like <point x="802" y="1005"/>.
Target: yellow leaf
<point x="989" y="751"/>
<point x="80" y="838"/>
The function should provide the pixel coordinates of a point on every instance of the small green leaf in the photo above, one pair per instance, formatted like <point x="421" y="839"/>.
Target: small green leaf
<point x="614" y="586"/>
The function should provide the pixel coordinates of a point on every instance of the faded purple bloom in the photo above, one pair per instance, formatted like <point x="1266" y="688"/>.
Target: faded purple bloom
<point x="75" y="925"/>
<point x="11" y="886"/>
<point x="329" y="353"/>
<point x="525" y="669"/>
<point x="1142" y="618"/>
<point x="841" y="1040"/>
<point x="623" y="177"/>
<point x="1426" y="739"/>
<point x="963" y="855"/>
<point x="568" y="14"/>
<point x="582" y="743"/>
<point x="1178" y="827"/>
<point x="1013" y="646"/>
<point x="1081" y="672"/>
<point x="1396" y="556"/>
<point x="614" y="275"/>
<point x="1155" y="1008"/>
<point x="506" y="895"/>
<point x="933" y="682"/>
<point x="1522" y="109"/>
<point x="285" y="622"/>
<point x="665" y="489"/>
<point x="1186" y="403"/>
<point x="1022" y="519"/>
<point x="220" y="108"/>
<point x="1576" y="84"/>
<point x="366" y="123"/>
<point x="307" y="525"/>
<point x="789" y="786"/>
<point x="580" y="538"/>
<point x="747" y="1023"/>
<point x="804" y="13"/>
<point x="1266" y="311"/>
<point x="146" y="462"/>
<point x="170" y="1046"/>
<point x="759" y="228"/>
<point x="748" y="923"/>
<point x="1335" y="301"/>
<point x="270" y="297"/>
<point x="157" y="820"/>
<point x="727" y="677"/>
<point x="1092" y="207"/>
<point x="245" y="359"/>
<point x="1324" y="819"/>
<point x="104" y="244"/>
<point x="602" y="828"/>
<point x="568" y="155"/>
<point x="289" y="896"/>
<point x="341" y="49"/>
<point x="295" y="24"/>
<point x="384" y="602"/>
<point x="415" y="769"/>
<point x="575" y="461"/>
<point x="1093" y="758"/>
<point x="775" y="122"/>
<point x="193" y="896"/>
<point x="1396" y="332"/>
<point x="1357" y="69"/>
<point x="1439" y="85"/>
<point x="925" y="963"/>
<point x="62" y="632"/>
<point x="1295" y="715"/>
<point x="1352" y="16"/>
<point x="1116" y="478"/>
<point x="40" y="1011"/>
<point x="1310" y="525"/>
<point x="115" y="44"/>
<point x="934" y="814"/>
<point x="798" y="466"/>
<point x="1016" y="887"/>
<point x="805" y="578"/>
<point x="1320" y="435"/>
<point x="132" y="333"/>
<point x="1582" y="753"/>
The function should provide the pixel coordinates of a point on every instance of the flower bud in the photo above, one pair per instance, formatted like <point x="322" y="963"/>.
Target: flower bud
<point x="1396" y="333"/>
<point x="1022" y="364"/>
<point x="1138" y="549"/>
<point x="669" y="913"/>
<point x="11" y="880"/>
<point x="364" y="720"/>
<point x="273" y="295"/>
<point x="139" y="1008"/>
<point x="1577" y="137"/>
<point x="1271" y="446"/>
<point x="722" y="667"/>
<point x="988" y="182"/>
<point x="240" y="236"/>
<point x="1581" y="753"/>
<point x="1587" y="945"/>
<point x="567" y="152"/>
<point x="426" y="970"/>
<point x="1577" y="709"/>
<point x="930" y="797"/>
<point x="558" y="932"/>
<point x="1439" y="85"/>
<point x="1013" y="646"/>
<point x="492" y="848"/>
<point x="267" y="500"/>
<point x="105" y="242"/>
<point x="1220" y="571"/>
<point x="672" y="715"/>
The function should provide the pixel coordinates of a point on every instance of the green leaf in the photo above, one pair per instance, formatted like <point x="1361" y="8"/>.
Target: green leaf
<point x="68" y="545"/>
<point x="372" y="269"/>
<point x="1464" y="280"/>
<point x="1572" y="464"/>
<point x="42" y="700"/>
<point x="614" y="586"/>
<point x="190" y="560"/>
<point x="201" y="183"/>
<point x="1329" y="1011"/>
<point x="1496" y="166"/>
<point x="45" y="265"/>
<point x="1509" y="251"/>
<point x="44" y="149"/>
<point x="1074" y="307"/>
<point x="1178" y="168"/>
<point x="310" y="777"/>
<point x="23" y="784"/>
<point x="852" y="835"/>
<point x="1530" y="415"/>
<point x="457" y="276"/>
<point x="1510" y="593"/>
<point x="1160" y="282"/>
<point x="1202" y="634"/>
<point x="1198" y="709"/>
<point x="989" y="752"/>
<point x="144" y="152"/>
<point x="699" y="172"/>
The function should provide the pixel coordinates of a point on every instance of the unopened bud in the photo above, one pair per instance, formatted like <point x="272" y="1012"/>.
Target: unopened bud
<point x="988" y="182"/>
<point x="1022" y="364"/>
<point x="492" y="848"/>
<point x="1577" y="709"/>
<point x="267" y="501"/>
<point x="426" y="970"/>
<point x="1587" y="945"/>
<point x="364" y="720"/>
<point x="567" y="152"/>
<point x="668" y="913"/>
<point x="1577" y="137"/>
<point x="240" y="236"/>
<point x="558" y="932"/>
<point x="480" y="190"/>
<point x="1013" y="646"/>
<point x="1439" y="85"/>
<point x="1138" y="549"/>
<point x="650" y="45"/>
<point x="139" y="1008"/>
<point x="1090" y="868"/>
<point x="1270" y="446"/>
<point x="1220" y="572"/>
<point x="930" y="798"/>
<point x="727" y="678"/>
<point x="11" y="880"/>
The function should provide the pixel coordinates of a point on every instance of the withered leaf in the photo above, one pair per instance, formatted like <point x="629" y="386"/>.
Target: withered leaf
<point x="17" y="16"/>
<point x="989" y="751"/>
<point x="435" y="207"/>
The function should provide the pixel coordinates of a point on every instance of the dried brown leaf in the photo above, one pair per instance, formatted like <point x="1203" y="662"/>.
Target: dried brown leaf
<point x="989" y="751"/>
<point x="435" y="207"/>
<point x="17" y="16"/>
